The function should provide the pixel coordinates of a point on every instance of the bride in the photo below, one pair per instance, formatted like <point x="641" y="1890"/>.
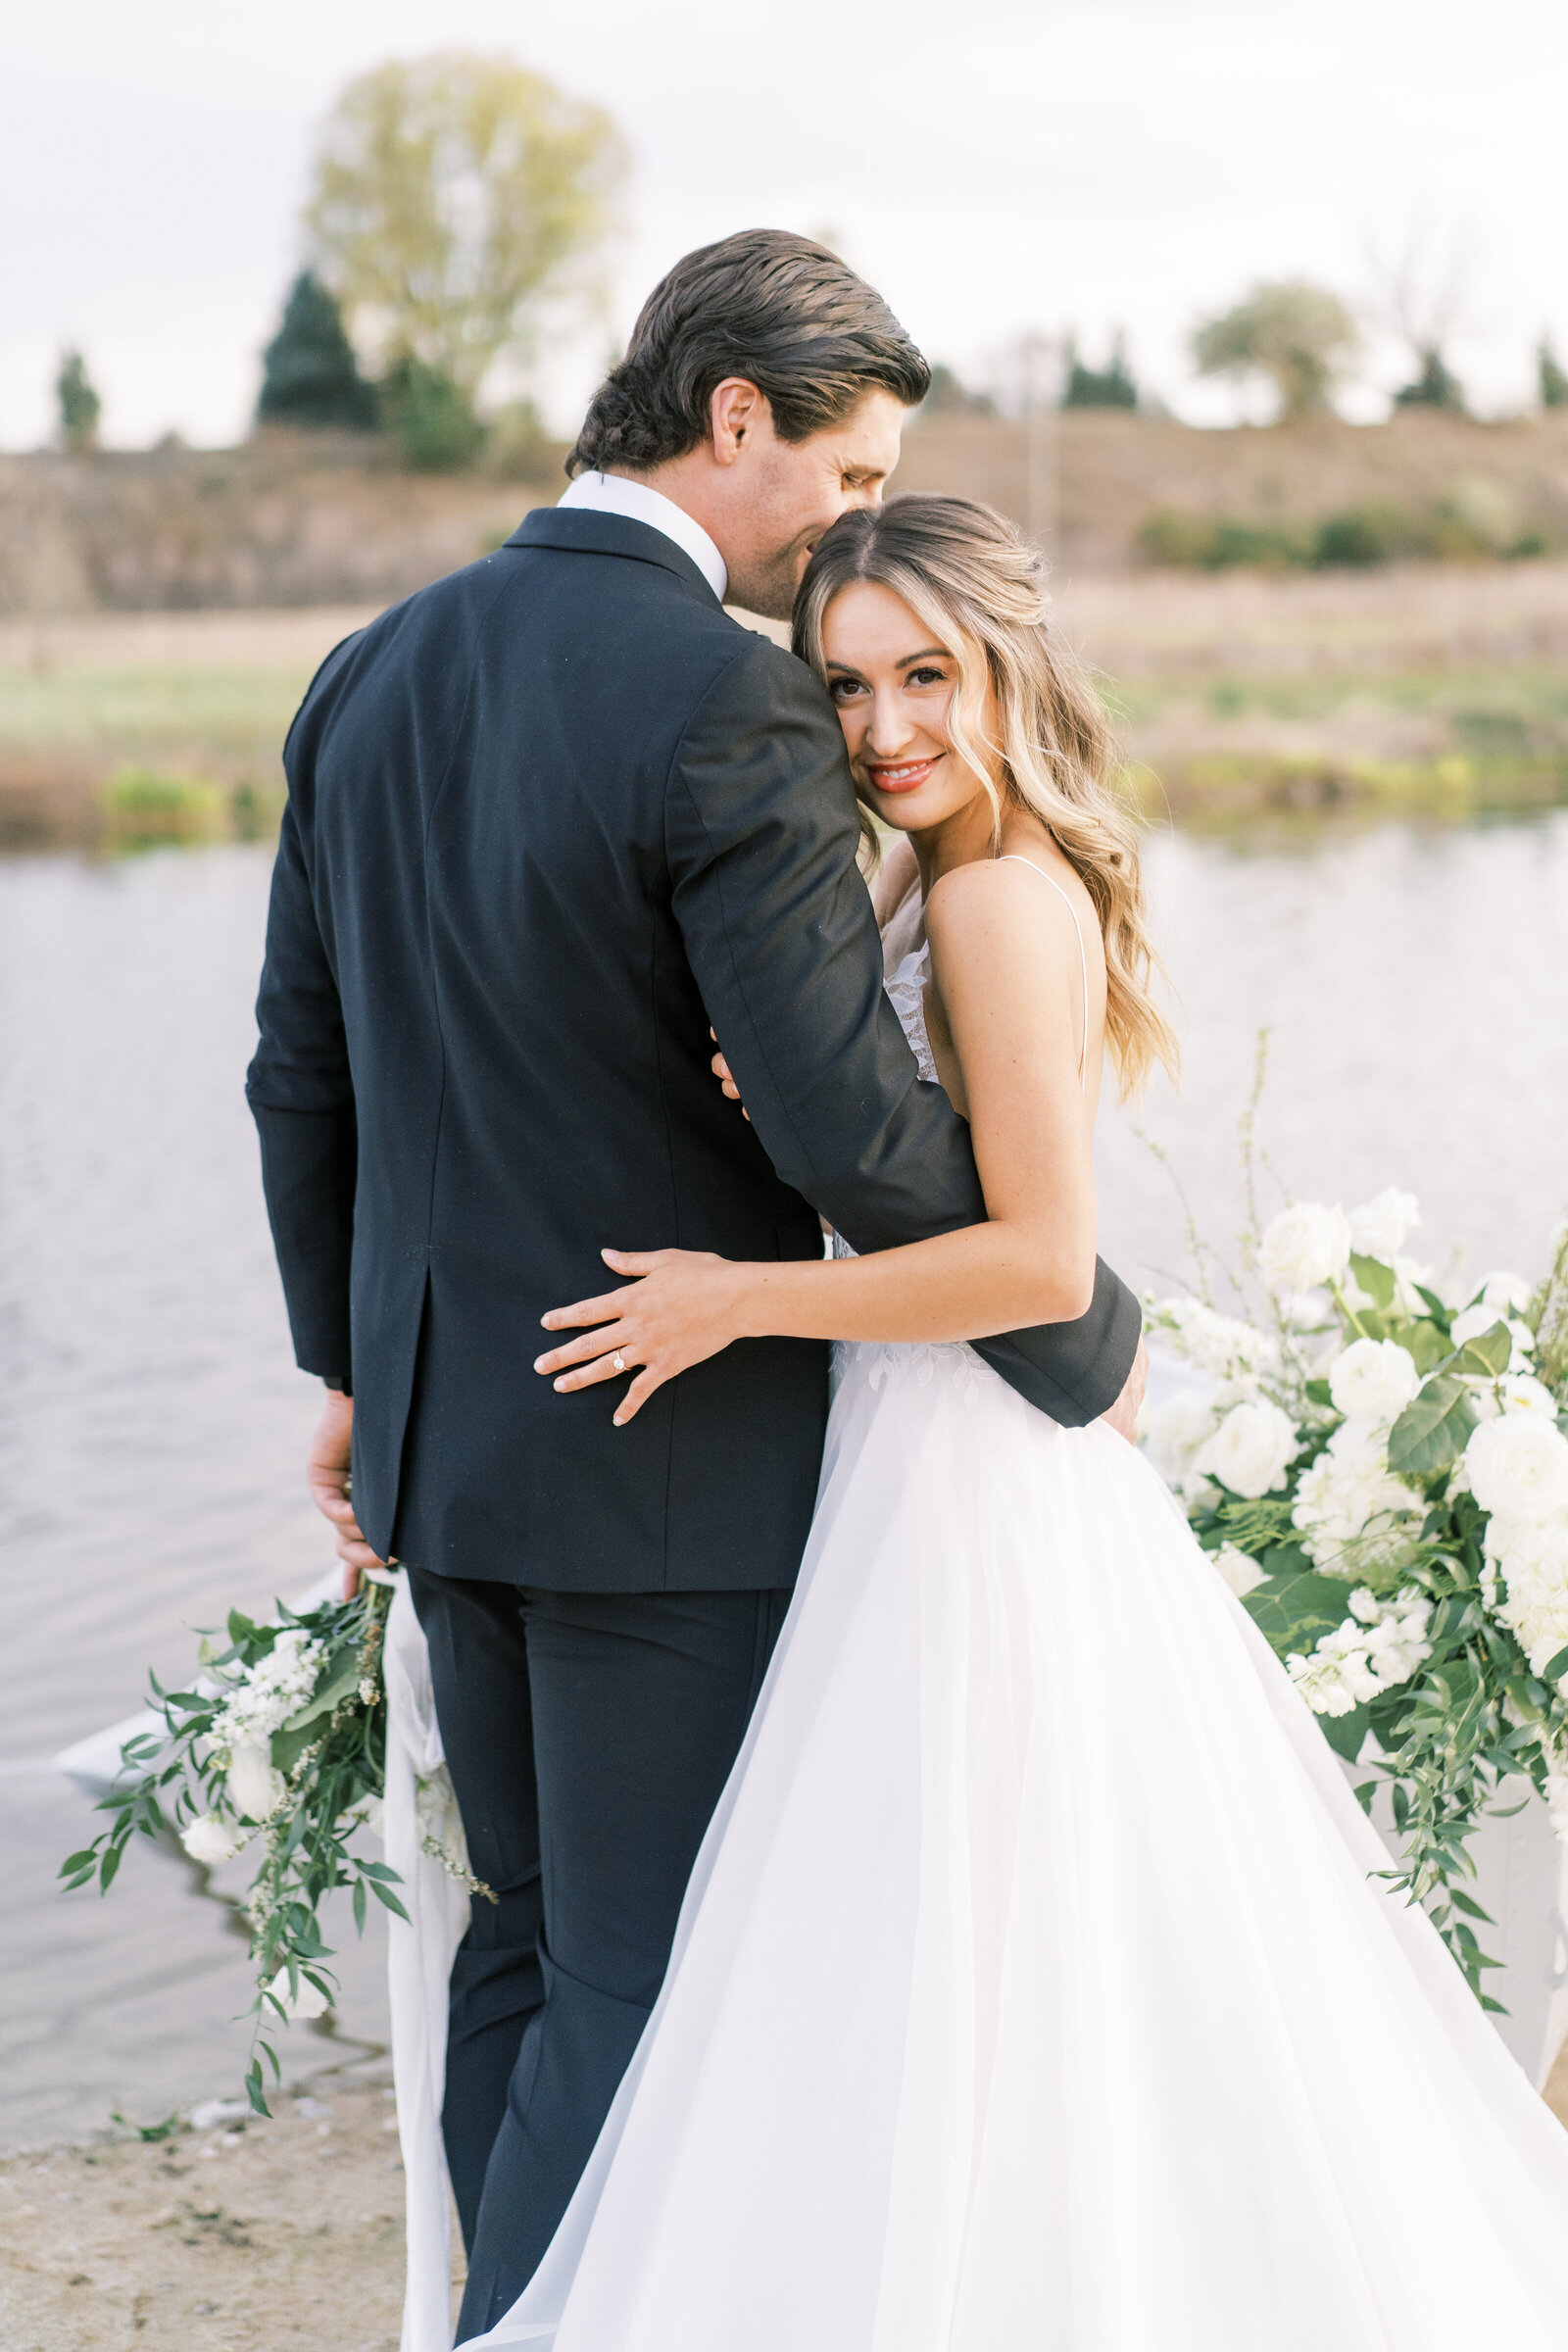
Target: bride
<point x="1033" y="1988"/>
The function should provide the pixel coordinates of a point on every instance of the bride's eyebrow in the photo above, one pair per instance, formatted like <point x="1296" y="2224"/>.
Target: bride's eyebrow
<point x="932" y="652"/>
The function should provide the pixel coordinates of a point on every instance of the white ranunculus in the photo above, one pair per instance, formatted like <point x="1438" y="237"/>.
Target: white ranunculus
<point x="256" y="1787"/>
<point x="1239" y="1569"/>
<point x="307" y="2002"/>
<point x="1380" y="1228"/>
<point x="1304" y="1246"/>
<point x="1518" y="1467"/>
<point x="1251" y="1450"/>
<point x="1522" y="1393"/>
<point x="1374" y="1380"/>
<point x="1178" y="1430"/>
<point x="210" y="1839"/>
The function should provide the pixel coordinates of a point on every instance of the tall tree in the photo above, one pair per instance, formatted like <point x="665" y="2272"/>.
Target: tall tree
<point x="79" y="404"/>
<point x="1435" y="386"/>
<point x="454" y="196"/>
<point x="1298" y="335"/>
<point x="310" y="375"/>
<point x="1550" y="376"/>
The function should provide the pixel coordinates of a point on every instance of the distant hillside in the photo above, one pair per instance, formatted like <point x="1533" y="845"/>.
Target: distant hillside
<point x="294" y="520"/>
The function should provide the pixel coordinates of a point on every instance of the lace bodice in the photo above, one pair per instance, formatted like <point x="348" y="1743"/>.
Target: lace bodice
<point x="907" y="994"/>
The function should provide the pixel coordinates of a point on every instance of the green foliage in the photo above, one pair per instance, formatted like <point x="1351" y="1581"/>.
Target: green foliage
<point x="456" y="196"/>
<point x="1298" y="335"/>
<point x="310" y="374"/>
<point x="1108" y="387"/>
<point x="431" y="417"/>
<point x="1463" y="525"/>
<point x="1550" y="377"/>
<point x="1434" y="387"/>
<point x="331" y="1773"/>
<point x="78" y="402"/>
<point x="1430" y="1433"/>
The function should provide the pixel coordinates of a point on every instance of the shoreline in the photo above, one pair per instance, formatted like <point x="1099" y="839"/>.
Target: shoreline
<point x="245" y="2235"/>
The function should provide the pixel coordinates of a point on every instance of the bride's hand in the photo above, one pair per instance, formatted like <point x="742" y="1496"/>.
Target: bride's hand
<point x="721" y="1072"/>
<point x="681" y="1307"/>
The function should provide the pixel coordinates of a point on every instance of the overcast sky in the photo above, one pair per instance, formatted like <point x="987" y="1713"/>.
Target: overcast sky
<point x="995" y="165"/>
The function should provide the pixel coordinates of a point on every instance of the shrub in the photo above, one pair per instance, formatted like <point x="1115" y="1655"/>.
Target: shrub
<point x="432" y="418"/>
<point x="1550" y="376"/>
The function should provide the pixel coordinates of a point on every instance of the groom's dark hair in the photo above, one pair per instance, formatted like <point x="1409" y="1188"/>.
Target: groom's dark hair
<point x="785" y="313"/>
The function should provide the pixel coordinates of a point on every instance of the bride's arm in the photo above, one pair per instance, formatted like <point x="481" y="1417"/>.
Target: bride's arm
<point x="1008" y="977"/>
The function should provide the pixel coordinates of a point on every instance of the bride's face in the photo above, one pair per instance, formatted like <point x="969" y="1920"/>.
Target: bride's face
<point x="894" y="687"/>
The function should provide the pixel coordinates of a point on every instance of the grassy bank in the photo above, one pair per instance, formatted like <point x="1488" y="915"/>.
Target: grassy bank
<point x="1420" y="690"/>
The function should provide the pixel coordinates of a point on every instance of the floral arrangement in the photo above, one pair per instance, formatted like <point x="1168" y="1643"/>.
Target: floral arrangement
<point x="282" y="1740"/>
<point x="1380" y="1473"/>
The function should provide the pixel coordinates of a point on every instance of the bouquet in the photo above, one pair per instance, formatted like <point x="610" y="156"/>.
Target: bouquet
<point x="281" y="1742"/>
<point x="1380" y="1472"/>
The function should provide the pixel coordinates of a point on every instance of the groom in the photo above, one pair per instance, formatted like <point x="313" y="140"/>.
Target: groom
<point x="548" y="821"/>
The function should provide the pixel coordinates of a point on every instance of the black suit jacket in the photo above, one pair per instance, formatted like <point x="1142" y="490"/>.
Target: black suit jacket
<point x="547" y="821"/>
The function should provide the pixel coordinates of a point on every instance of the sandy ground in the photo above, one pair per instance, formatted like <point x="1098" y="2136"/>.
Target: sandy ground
<point x="249" y="2236"/>
<point x="254" y="2236"/>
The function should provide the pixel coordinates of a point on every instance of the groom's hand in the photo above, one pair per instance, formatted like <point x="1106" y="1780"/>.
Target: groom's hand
<point x="1123" y="1414"/>
<point x="327" y="1474"/>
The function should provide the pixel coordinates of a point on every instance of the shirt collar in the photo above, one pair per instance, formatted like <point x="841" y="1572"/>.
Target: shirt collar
<point x="615" y="494"/>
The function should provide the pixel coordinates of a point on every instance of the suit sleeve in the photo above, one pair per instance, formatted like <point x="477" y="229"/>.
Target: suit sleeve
<point x="301" y="1094"/>
<point x="760" y="834"/>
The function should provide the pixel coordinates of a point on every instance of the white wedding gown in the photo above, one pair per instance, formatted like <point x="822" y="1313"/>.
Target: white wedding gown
<point x="1033" y="1991"/>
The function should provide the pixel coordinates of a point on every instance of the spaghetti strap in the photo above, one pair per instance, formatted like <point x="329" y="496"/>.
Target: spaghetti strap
<point x="1015" y="858"/>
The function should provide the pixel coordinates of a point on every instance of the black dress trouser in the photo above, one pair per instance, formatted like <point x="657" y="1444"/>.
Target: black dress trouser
<point x="589" y="1737"/>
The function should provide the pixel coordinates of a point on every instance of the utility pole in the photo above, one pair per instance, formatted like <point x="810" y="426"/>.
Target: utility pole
<point x="1042" y="494"/>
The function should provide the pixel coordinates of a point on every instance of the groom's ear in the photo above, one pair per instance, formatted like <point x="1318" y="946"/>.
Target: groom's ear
<point x="738" y="411"/>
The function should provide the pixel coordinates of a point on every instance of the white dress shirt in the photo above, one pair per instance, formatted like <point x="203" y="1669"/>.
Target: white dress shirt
<point x="613" y="494"/>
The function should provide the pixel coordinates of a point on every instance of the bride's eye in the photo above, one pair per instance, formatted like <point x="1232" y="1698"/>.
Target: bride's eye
<point x="842" y="689"/>
<point x="927" y="675"/>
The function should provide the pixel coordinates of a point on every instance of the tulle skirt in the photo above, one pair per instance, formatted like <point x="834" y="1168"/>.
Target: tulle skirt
<point x="1033" y="1992"/>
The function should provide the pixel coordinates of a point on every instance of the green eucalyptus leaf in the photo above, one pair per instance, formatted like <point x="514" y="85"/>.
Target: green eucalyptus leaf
<point x="1432" y="1431"/>
<point x="1554" y="1667"/>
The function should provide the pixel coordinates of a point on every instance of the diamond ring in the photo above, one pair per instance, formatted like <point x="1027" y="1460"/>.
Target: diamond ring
<point x="618" y="1361"/>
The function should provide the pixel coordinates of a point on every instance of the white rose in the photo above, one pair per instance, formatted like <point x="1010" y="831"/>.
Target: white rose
<point x="1380" y="1228"/>
<point x="1509" y="1294"/>
<point x="1252" y="1448"/>
<point x="1177" y="1429"/>
<point x="210" y="1839"/>
<point x="1304" y="1246"/>
<point x="1518" y="1467"/>
<point x="307" y="2002"/>
<point x="1374" y="1380"/>
<point x="255" y="1788"/>
<point x="1240" y="1571"/>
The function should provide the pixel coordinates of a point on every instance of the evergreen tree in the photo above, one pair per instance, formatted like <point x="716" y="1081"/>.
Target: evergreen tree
<point x="79" y="404"/>
<point x="1434" y="387"/>
<point x="310" y="373"/>
<point x="1109" y="387"/>
<point x="1552" y="379"/>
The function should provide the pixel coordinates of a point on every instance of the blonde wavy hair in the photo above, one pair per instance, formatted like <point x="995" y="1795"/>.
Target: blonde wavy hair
<point x="1023" y="716"/>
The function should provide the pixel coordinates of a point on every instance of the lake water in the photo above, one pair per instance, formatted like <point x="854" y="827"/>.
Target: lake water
<point x="151" y="1422"/>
